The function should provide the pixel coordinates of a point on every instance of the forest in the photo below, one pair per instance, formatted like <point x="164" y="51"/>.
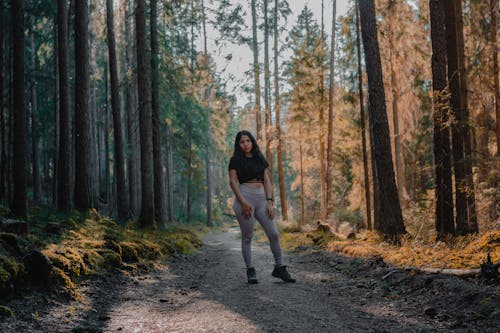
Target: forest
<point x="118" y="119"/>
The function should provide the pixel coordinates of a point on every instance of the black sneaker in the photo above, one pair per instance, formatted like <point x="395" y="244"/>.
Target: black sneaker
<point x="252" y="276"/>
<point x="282" y="273"/>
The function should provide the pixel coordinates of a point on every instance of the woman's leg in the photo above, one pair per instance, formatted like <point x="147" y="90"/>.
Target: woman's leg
<point x="246" y="227"/>
<point x="271" y="231"/>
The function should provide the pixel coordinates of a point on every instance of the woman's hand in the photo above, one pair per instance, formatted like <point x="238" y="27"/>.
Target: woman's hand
<point x="270" y="209"/>
<point x="246" y="209"/>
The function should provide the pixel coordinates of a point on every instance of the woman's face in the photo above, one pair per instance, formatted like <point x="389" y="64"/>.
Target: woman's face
<point x="245" y="144"/>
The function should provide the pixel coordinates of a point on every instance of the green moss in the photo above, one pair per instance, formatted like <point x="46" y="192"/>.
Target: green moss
<point x="147" y="249"/>
<point x="93" y="259"/>
<point x="63" y="284"/>
<point x="10" y="266"/>
<point x="111" y="259"/>
<point x="129" y="252"/>
<point x="114" y="246"/>
<point x="68" y="259"/>
<point x="6" y="312"/>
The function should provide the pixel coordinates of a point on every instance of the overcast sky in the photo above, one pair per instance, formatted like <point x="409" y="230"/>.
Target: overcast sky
<point x="233" y="71"/>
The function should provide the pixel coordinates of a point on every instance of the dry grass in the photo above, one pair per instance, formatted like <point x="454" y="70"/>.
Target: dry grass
<point x="460" y="253"/>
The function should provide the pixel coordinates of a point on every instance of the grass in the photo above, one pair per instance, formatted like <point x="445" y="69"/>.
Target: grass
<point x="465" y="252"/>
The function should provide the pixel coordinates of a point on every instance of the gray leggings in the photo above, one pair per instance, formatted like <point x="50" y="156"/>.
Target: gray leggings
<point x="257" y="199"/>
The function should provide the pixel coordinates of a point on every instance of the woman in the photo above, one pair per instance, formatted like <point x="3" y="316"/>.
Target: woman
<point x="254" y="198"/>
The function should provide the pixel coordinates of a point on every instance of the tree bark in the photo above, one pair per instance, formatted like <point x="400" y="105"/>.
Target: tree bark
<point x="19" y="205"/>
<point x="369" y="224"/>
<point x="493" y="30"/>
<point x="208" y="134"/>
<point x="466" y="126"/>
<point x="84" y="176"/>
<point x="322" y="148"/>
<point x="134" y="176"/>
<point x="119" y="161"/>
<point x="442" y="149"/>
<point x="391" y="224"/>
<point x="277" y="108"/>
<point x="454" y="81"/>
<point x="267" y="97"/>
<point x="3" y="125"/>
<point x="329" y="155"/>
<point x="170" y="175"/>
<point x="159" y="191"/>
<point x="35" y="135"/>
<point x="145" y="120"/>
<point x="256" y="72"/>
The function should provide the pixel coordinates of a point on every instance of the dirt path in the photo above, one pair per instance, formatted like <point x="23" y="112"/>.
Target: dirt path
<point x="207" y="292"/>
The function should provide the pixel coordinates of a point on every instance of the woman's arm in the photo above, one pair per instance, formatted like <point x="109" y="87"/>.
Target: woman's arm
<point x="268" y="189"/>
<point x="233" y="182"/>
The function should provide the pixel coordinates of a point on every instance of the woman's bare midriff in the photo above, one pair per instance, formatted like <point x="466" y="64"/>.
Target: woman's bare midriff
<point x="253" y="184"/>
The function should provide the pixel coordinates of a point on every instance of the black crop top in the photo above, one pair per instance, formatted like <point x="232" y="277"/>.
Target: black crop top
<point x="248" y="169"/>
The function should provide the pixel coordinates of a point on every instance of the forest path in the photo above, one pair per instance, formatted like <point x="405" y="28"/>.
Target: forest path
<point x="207" y="292"/>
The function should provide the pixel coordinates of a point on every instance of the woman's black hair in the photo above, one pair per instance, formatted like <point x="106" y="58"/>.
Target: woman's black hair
<point x="255" y="147"/>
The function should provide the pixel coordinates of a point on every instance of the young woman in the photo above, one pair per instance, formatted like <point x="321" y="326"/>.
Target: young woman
<point x="254" y="199"/>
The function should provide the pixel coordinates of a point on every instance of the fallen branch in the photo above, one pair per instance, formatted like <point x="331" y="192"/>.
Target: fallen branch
<point x="446" y="271"/>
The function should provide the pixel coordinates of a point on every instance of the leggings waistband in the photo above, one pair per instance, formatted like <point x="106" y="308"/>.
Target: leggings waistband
<point x="251" y="190"/>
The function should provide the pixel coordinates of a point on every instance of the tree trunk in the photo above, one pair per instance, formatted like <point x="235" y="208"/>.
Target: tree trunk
<point x="267" y="97"/>
<point x="369" y="224"/>
<point x="322" y="150"/>
<point x="159" y="191"/>
<point x="458" y="135"/>
<point x="84" y="175"/>
<point x="466" y="127"/>
<point x="3" y="125"/>
<point x="493" y="30"/>
<point x="400" y="170"/>
<point x="170" y="175"/>
<point x="277" y="108"/>
<point x="208" y="134"/>
<point x="391" y="225"/>
<point x="19" y="206"/>
<point x="55" y="143"/>
<point x="256" y="72"/>
<point x="442" y="149"/>
<point x="145" y="120"/>
<point x="134" y="175"/>
<point x="302" y="195"/>
<point x="35" y="137"/>
<point x="119" y="161"/>
<point x="329" y="155"/>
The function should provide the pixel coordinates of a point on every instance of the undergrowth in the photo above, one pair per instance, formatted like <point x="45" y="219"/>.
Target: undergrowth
<point x="464" y="252"/>
<point x="83" y="245"/>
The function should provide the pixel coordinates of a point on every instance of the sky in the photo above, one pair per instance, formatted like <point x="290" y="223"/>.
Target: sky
<point x="233" y="71"/>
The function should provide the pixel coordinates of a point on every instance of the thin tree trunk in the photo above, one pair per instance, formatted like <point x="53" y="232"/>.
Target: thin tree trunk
<point x="369" y="224"/>
<point x="134" y="175"/>
<point x="55" y="143"/>
<point x="322" y="148"/>
<point x="442" y="149"/>
<point x="398" y="156"/>
<point x="329" y="158"/>
<point x="170" y="175"/>
<point x="84" y="175"/>
<point x="3" y="125"/>
<point x="455" y="111"/>
<point x="159" y="191"/>
<point x="267" y="97"/>
<point x="119" y="160"/>
<point x="277" y="108"/>
<point x="35" y="137"/>
<point x="256" y="71"/>
<point x="302" y="195"/>
<point x="391" y="225"/>
<point x="208" y="134"/>
<point x="19" y="206"/>
<point x="145" y="123"/>
<point x="493" y="30"/>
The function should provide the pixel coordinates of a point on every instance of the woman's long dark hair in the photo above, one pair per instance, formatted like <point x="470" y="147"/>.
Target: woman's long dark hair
<point x="255" y="147"/>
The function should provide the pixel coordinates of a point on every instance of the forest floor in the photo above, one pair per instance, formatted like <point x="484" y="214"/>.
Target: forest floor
<point x="207" y="292"/>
